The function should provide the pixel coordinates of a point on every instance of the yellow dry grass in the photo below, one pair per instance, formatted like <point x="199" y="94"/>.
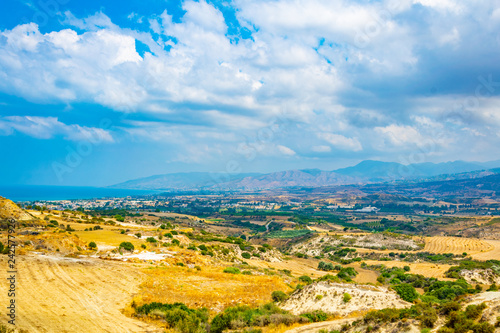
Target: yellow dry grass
<point x="493" y="253"/>
<point x="456" y="245"/>
<point x="107" y="237"/>
<point x="209" y="287"/>
<point x="56" y="294"/>
<point x="424" y="268"/>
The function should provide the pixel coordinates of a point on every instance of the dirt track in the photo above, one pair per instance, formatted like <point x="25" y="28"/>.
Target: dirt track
<point x="56" y="294"/>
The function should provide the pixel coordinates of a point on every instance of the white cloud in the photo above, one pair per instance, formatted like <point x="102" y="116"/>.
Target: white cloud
<point x="303" y="59"/>
<point x="48" y="127"/>
<point x="400" y="134"/>
<point x="341" y="142"/>
<point x="321" y="149"/>
<point x="285" y="150"/>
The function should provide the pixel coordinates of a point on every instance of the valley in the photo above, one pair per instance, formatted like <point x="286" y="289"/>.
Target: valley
<point x="123" y="266"/>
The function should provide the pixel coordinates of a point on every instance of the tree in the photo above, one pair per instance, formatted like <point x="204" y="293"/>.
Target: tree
<point x="127" y="246"/>
<point x="246" y="255"/>
<point x="119" y="218"/>
<point x="305" y="279"/>
<point x="278" y="296"/>
<point x="406" y="291"/>
<point x="92" y="245"/>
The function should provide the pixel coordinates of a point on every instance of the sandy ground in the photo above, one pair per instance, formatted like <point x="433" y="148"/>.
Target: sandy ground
<point x="328" y="297"/>
<point x="56" y="294"/>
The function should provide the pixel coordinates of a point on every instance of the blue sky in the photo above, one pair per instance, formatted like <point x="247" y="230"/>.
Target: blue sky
<point x="99" y="92"/>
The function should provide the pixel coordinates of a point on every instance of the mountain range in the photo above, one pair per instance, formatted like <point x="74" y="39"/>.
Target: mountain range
<point x="366" y="172"/>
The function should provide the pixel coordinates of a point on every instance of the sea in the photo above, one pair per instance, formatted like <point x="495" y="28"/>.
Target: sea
<point x="18" y="193"/>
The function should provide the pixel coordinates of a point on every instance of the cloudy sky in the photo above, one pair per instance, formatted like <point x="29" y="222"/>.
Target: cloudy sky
<point x="99" y="92"/>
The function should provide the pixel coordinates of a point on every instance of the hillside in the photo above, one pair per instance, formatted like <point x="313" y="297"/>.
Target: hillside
<point x="9" y="210"/>
<point x="329" y="297"/>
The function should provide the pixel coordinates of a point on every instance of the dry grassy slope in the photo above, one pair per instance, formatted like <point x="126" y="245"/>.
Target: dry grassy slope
<point x="9" y="210"/>
<point x="56" y="294"/>
<point x="328" y="297"/>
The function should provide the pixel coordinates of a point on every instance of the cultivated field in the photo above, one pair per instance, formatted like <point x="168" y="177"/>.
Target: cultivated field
<point x="208" y="287"/>
<point x="492" y="253"/>
<point x="56" y="294"/>
<point x="457" y="245"/>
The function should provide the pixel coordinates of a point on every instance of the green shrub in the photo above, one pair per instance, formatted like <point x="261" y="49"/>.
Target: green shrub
<point x="119" y="218"/>
<point x="278" y="296"/>
<point x="92" y="245"/>
<point x="305" y="279"/>
<point x="232" y="270"/>
<point x="346" y="298"/>
<point x="493" y="287"/>
<point x="151" y="240"/>
<point x="176" y="242"/>
<point x="237" y="317"/>
<point x="406" y="291"/>
<point x="315" y="316"/>
<point x="177" y="316"/>
<point x="246" y="255"/>
<point x="143" y="246"/>
<point x="127" y="246"/>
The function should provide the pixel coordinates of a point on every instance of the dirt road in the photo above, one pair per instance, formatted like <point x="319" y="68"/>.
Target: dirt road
<point x="56" y="294"/>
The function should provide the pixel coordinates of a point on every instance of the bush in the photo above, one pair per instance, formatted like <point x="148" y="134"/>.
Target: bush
<point x="151" y="240"/>
<point x="92" y="245"/>
<point x="232" y="270"/>
<point x="176" y="242"/>
<point x="406" y="291"/>
<point x="493" y="287"/>
<point x="315" y="316"/>
<point x="127" y="246"/>
<point x="346" y="298"/>
<point x="119" y="218"/>
<point x="324" y="266"/>
<point x="305" y="279"/>
<point x="278" y="296"/>
<point x="246" y="255"/>
<point x="177" y="316"/>
<point x="240" y="316"/>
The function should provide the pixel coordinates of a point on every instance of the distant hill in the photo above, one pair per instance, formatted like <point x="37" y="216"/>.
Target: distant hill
<point x="366" y="172"/>
<point x="181" y="181"/>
